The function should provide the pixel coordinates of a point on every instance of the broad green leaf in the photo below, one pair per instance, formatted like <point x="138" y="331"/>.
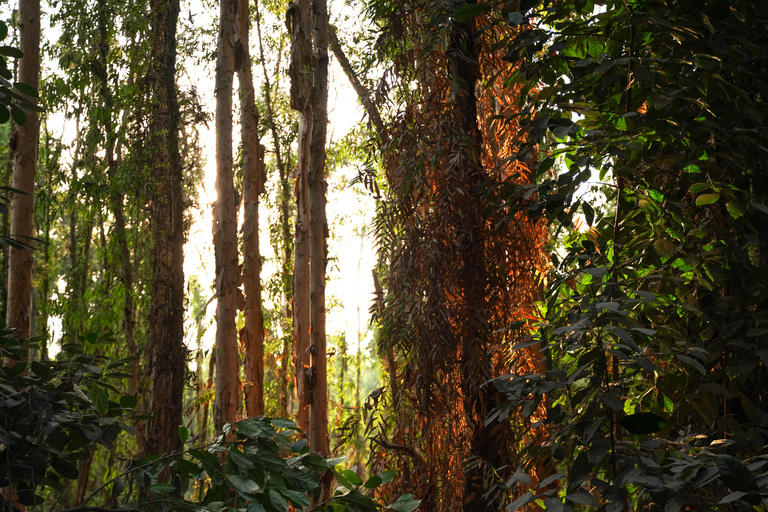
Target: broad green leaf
<point x="244" y="485"/>
<point x="387" y="476"/>
<point x="520" y="502"/>
<point x="100" y="400"/>
<point x="117" y="486"/>
<point x="735" y="474"/>
<point x="183" y="433"/>
<point x="759" y="207"/>
<point x="239" y="459"/>
<point x="664" y="248"/>
<point x="692" y="362"/>
<point x="352" y="477"/>
<point x="299" y="445"/>
<point x="128" y="402"/>
<point x="373" y="482"/>
<point x="704" y="199"/>
<point x="26" y="89"/>
<point x="736" y="210"/>
<point x="162" y="488"/>
<point x="18" y="115"/>
<point x="643" y="423"/>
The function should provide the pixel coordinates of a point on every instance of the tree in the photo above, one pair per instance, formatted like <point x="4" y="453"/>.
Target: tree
<point x="459" y="282"/>
<point x="165" y="344"/>
<point x="318" y="231"/>
<point x="227" y="402"/>
<point x="300" y="24"/>
<point x="254" y="176"/>
<point x="22" y="204"/>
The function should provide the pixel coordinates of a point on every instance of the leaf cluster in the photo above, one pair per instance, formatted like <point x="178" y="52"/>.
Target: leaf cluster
<point x="52" y="413"/>
<point x="654" y="320"/>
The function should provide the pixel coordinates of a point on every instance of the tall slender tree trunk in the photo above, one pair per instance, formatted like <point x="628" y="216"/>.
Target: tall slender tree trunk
<point x="22" y="205"/>
<point x="167" y="354"/>
<point x="318" y="228"/>
<point x="283" y="375"/>
<point x="227" y="400"/>
<point x="252" y="334"/>
<point x="300" y="17"/>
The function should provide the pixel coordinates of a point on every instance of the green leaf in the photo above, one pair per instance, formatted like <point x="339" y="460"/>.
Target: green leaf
<point x="759" y="207"/>
<point x="469" y="11"/>
<point x="117" y="486"/>
<point x="239" y="459"/>
<point x="352" y="477"/>
<point x="692" y="362"/>
<point x="128" y="402"/>
<point x="18" y="115"/>
<point x="10" y="51"/>
<point x="736" y="210"/>
<point x="643" y="423"/>
<point x="664" y="248"/>
<point x="735" y="474"/>
<point x="387" y="476"/>
<point x="183" y="433"/>
<point x="4" y="114"/>
<point x="373" y="482"/>
<point x="26" y="89"/>
<point x="162" y="488"/>
<point x="299" y="445"/>
<point x="244" y="485"/>
<point x="707" y="198"/>
<point x="522" y="501"/>
<point x="100" y="400"/>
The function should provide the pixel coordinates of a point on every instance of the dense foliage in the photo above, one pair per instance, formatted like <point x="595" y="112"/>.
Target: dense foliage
<point x="654" y="321"/>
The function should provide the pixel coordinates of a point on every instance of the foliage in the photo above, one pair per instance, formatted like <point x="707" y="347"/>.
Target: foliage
<point x="654" y="322"/>
<point x="52" y="413"/>
<point x="18" y="91"/>
<point x="257" y="464"/>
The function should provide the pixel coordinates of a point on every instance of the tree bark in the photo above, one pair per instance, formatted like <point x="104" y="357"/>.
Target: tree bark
<point x="252" y="334"/>
<point x="227" y="400"/>
<point x="318" y="228"/>
<point x="300" y="22"/>
<point x="167" y="353"/>
<point x="283" y="375"/>
<point x="22" y="205"/>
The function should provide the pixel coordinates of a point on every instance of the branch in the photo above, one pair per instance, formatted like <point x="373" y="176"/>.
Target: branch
<point x="362" y="92"/>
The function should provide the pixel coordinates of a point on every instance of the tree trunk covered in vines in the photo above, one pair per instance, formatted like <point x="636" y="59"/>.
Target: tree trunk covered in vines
<point x="167" y="354"/>
<point x="22" y="205"/>
<point x="227" y="400"/>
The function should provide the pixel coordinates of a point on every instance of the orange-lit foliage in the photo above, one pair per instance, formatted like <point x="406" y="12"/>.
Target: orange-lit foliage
<point x="462" y="270"/>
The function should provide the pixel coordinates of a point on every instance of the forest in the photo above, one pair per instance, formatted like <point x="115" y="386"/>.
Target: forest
<point x="566" y="303"/>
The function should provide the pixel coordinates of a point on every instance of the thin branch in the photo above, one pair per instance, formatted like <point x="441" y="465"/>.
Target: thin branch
<point x="362" y="92"/>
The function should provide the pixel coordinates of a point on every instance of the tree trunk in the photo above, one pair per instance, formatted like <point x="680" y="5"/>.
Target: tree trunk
<point x="22" y="205"/>
<point x="287" y="253"/>
<point x="252" y="334"/>
<point x="318" y="228"/>
<point x="227" y="401"/>
<point x="167" y="353"/>
<point x="300" y="21"/>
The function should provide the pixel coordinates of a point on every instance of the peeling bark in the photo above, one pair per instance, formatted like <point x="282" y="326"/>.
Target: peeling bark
<point x="22" y="205"/>
<point x="227" y="401"/>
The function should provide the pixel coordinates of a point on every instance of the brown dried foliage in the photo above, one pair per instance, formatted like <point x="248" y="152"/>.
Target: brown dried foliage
<point x="461" y="270"/>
